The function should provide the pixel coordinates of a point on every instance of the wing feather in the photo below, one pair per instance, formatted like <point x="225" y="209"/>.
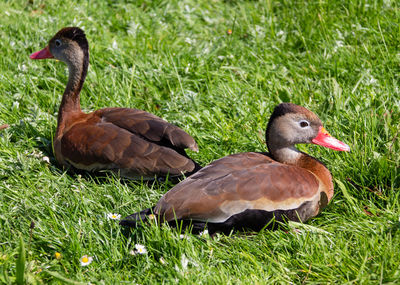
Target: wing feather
<point x="105" y="146"/>
<point x="235" y="183"/>
<point x="148" y="126"/>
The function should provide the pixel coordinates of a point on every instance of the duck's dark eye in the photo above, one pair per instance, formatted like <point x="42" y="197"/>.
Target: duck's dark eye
<point x="304" y="124"/>
<point x="57" y="43"/>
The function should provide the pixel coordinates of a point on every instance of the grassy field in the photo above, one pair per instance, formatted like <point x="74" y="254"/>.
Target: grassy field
<point x="216" y="69"/>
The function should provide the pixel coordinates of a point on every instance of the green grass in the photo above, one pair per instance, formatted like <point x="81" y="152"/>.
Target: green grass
<point x="175" y="59"/>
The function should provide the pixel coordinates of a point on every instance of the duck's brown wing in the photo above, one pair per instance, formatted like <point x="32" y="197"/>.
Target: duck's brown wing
<point x="96" y="144"/>
<point x="236" y="183"/>
<point x="148" y="126"/>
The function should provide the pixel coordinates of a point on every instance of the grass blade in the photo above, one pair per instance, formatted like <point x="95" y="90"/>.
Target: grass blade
<point x="64" y="279"/>
<point x="20" y="275"/>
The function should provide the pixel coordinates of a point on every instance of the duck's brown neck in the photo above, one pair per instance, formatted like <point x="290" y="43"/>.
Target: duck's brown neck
<point x="291" y="155"/>
<point x="70" y="103"/>
<point x="318" y="169"/>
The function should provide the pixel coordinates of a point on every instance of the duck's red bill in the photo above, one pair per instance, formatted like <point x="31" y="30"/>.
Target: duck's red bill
<point x="42" y="54"/>
<point x="325" y="139"/>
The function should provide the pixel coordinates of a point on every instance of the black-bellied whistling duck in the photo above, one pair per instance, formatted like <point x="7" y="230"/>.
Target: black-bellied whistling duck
<point x="129" y="141"/>
<point x="249" y="190"/>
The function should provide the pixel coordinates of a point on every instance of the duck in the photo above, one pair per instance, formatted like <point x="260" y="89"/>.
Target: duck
<point x="131" y="142"/>
<point x="254" y="190"/>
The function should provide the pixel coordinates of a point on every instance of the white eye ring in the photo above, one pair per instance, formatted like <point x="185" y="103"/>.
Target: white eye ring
<point x="304" y="124"/>
<point x="57" y="42"/>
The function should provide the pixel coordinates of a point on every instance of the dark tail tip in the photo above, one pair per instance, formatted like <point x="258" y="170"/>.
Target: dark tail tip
<point x="197" y="167"/>
<point x="136" y="219"/>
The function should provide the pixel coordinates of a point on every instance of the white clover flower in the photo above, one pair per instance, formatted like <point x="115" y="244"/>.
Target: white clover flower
<point x="112" y="216"/>
<point x="280" y="33"/>
<point x="115" y="44"/>
<point x="190" y="41"/>
<point x="184" y="262"/>
<point x="133" y="28"/>
<point x="338" y="44"/>
<point x="203" y="233"/>
<point x="86" y="260"/>
<point x="22" y="67"/>
<point x="162" y="260"/>
<point x="372" y="81"/>
<point x="140" y="249"/>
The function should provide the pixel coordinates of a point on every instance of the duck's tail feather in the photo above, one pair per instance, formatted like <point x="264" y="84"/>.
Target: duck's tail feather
<point x="137" y="219"/>
<point x="197" y="167"/>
